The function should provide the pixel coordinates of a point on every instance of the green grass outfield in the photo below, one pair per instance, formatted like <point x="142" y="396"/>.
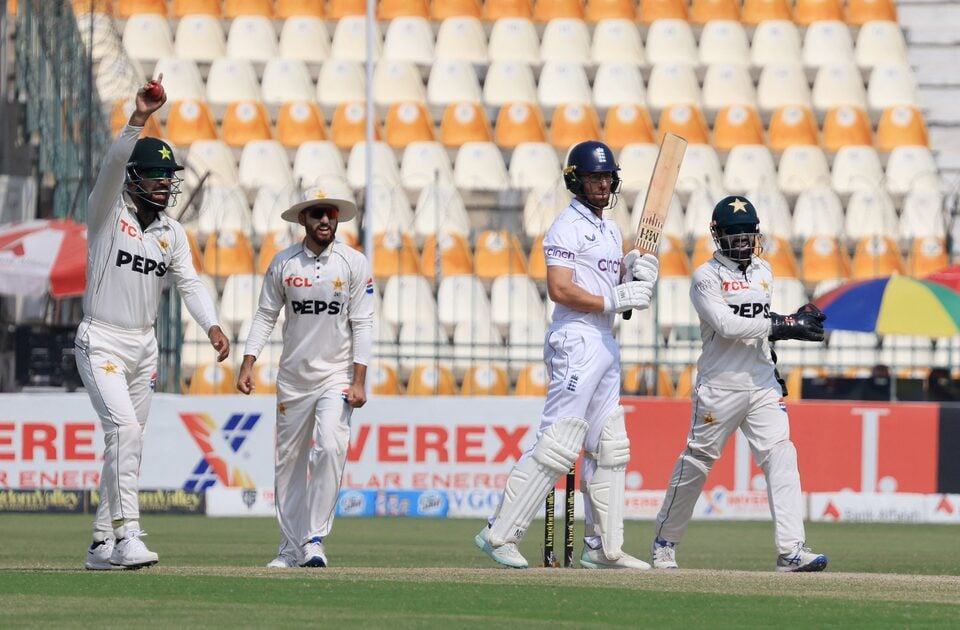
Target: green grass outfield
<point x="413" y="573"/>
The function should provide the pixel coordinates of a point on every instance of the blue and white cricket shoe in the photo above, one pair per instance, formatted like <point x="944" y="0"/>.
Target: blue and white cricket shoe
<point x="506" y="554"/>
<point x="313" y="553"/>
<point x="663" y="554"/>
<point x="801" y="560"/>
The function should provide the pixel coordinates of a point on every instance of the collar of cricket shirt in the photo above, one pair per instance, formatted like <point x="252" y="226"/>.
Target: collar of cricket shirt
<point x="585" y="212"/>
<point x="324" y="254"/>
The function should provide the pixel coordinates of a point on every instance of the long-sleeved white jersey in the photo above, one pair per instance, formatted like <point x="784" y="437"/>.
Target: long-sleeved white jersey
<point x="593" y="248"/>
<point x="328" y="307"/>
<point x="126" y="265"/>
<point x="734" y="310"/>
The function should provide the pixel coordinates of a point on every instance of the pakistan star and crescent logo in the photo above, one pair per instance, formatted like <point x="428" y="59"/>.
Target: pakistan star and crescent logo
<point x="709" y="418"/>
<point x="109" y="368"/>
<point x="738" y="205"/>
<point x="337" y="284"/>
<point x="163" y="244"/>
<point x="281" y="409"/>
<point x="164" y="153"/>
<point x="765" y="285"/>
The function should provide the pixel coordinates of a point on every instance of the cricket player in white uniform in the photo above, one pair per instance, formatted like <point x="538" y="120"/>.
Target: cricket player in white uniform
<point x="738" y="387"/>
<point x="326" y="290"/>
<point x="590" y="281"/>
<point x="133" y="248"/>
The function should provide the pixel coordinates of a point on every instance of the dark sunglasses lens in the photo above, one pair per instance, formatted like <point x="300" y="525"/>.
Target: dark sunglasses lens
<point x="329" y="212"/>
<point x="158" y="173"/>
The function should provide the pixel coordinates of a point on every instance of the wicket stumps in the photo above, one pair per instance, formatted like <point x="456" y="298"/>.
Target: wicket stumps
<point x="549" y="524"/>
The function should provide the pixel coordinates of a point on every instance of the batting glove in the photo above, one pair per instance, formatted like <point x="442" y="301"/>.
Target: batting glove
<point x="629" y="295"/>
<point x="645" y="267"/>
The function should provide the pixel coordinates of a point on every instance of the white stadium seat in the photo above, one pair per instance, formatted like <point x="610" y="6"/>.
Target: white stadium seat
<point x="617" y="41"/>
<point x="514" y="39"/>
<point x="200" y="38"/>
<point x="409" y="38"/>
<point x="565" y="39"/>
<point x="462" y="37"/>
<point x="350" y="39"/>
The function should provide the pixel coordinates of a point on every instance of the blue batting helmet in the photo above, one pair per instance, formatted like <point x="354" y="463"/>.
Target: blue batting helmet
<point x="590" y="157"/>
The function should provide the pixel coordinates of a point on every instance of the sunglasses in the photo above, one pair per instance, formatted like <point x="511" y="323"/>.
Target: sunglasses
<point x="157" y="173"/>
<point x="330" y="212"/>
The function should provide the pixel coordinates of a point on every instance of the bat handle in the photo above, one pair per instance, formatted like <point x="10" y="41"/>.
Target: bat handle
<point x="628" y="314"/>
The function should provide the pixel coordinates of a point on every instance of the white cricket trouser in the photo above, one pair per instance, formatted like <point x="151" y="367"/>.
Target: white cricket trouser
<point x="584" y="368"/>
<point x="119" y="370"/>
<point x="313" y="435"/>
<point x="762" y="418"/>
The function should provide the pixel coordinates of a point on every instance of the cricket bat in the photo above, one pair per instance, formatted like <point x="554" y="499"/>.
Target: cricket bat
<point x="656" y="204"/>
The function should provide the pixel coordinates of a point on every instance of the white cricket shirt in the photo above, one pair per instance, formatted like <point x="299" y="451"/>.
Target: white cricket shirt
<point x="593" y="248"/>
<point x="127" y="265"/>
<point x="734" y="310"/>
<point x="328" y="304"/>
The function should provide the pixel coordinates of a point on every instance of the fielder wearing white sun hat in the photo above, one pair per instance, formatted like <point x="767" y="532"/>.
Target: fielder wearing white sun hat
<point x="316" y="197"/>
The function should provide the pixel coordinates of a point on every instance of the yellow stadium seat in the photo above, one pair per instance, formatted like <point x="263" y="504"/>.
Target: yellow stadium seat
<point x="845" y="126"/>
<point x="121" y="115"/>
<point x="686" y="382"/>
<point x="226" y="253"/>
<point x="610" y="10"/>
<point x="443" y="9"/>
<point x="648" y="380"/>
<point x="494" y="10"/>
<point x="792" y="125"/>
<point x="129" y="8"/>
<point x="349" y="125"/>
<point x="189" y="121"/>
<point x="390" y="9"/>
<point x="902" y="126"/>
<point x="407" y="122"/>
<point x="628" y="124"/>
<point x="652" y="10"/>
<point x="686" y="121"/>
<point x="464" y="122"/>
<point x="299" y="122"/>
<point x="195" y="252"/>
<point x="519" y="122"/>
<point x="573" y="123"/>
<point x="485" y="380"/>
<point x="92" y="6"/>
<point x="537" y="264"/>
<point x="431" y="380"/>
<point x="805" y="12"/>
<point x="265" y="378"/>
<point x="394" y="254"/>
<point x="823" y="259"/>
<point x="245" y="121"/>
<point x="455" y="256"/>
<point x="12" y="8"/>
<point x="532" y="380"/>
<point x="673" y="258"/>
<point x="236" y="8"/>
<point x="874" y="257"/>
<point x="383" y="379"/>
<point x="343" y="8"/>
<point x="210" y="379"/>
<point x="296" y="8"/>
<point x="736" y="125"/>
<point x="498" y="253"/>
<point x="702" y="251"/>
<point x="703" y="11"/>
<point x="273" y="243"/>
<point x="181" y="8"/>
<point x="546" y="10"/>
<point x="859" y="12"/>
<point x="756" y="11"/>
<point x="777" y="252"/>
<point x="927" y="254"/>
<point x="795" y="380"/>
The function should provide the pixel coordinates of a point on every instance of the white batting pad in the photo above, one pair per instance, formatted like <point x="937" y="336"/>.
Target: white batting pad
<point x="607" y="486"/>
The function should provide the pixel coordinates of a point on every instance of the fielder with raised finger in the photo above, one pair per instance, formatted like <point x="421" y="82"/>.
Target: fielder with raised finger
<point x="590" y="281"/>
<point x="738" y="387"/>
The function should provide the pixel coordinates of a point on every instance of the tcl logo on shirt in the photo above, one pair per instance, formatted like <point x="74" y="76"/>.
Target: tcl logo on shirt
<point x="297" y="281"/>
<point x="751" y="309"/>
<point x="315" y="307"/>
<point x="736" y="285"/>
<point x="141" y="264"/>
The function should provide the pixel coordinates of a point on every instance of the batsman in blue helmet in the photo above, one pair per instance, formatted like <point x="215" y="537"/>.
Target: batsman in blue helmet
<point x="590" y="280"/>
<point x="738" y="387"/>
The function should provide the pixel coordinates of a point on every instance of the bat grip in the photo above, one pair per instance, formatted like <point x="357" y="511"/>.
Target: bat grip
<point x="628" y="314"/>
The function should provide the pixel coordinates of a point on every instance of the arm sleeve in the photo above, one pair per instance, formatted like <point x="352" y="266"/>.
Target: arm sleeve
<point x="560" y="246"/>
<point x="716" y="313"/>
<point x="268" y="309"/>
<point x="110" y="179"/>
<point x="195" y="294"/>
<point x="361" y="311"/>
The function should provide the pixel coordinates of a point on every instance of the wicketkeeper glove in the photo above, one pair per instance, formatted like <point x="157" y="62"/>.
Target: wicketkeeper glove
<point x="636" y="294"/>
<point x="811" y="308"/>
<point x="637" y="266"/>
<point x="804" y="326"/>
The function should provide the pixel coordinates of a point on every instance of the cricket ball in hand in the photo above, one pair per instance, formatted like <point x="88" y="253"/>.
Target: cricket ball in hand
<point x="154" y="91"/>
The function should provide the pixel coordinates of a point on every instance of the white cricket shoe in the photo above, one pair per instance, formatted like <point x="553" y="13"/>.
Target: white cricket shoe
<point x="282" y="562"/>
<point x="130" y="553"/>
<point x="506" y="554"/>
<point x="596" y="559"/>
<point x="663" y="554"/>
<point x="98" y="556"/>
<point x="313" y="553"/>
<point x="801" y="560"/>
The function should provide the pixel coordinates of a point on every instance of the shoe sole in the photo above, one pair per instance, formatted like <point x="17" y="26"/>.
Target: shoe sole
<point x="817" y="565"/>
<point x="485" y="547"/>
<point x="315" y="563"/>
<point x="589" y="564"/>
<point x="134" y="567"/>
<point x="100" y="567"/>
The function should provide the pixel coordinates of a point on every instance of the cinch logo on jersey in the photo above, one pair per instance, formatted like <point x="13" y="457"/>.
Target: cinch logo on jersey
<point x="613" y="266"/>
<point x="220" y="450"/>
<point x="751" y="309"/>
<point x="140" y="264"/>
<point x="315" y="307"/>
<point x="557" y="252"/>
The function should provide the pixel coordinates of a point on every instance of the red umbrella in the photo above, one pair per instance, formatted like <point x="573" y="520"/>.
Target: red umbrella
<point x="948" y="276"/>
<point x="43" y="255"/>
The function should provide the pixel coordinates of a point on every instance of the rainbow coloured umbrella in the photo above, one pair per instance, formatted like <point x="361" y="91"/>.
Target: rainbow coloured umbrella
<point x="896" y="305"/>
